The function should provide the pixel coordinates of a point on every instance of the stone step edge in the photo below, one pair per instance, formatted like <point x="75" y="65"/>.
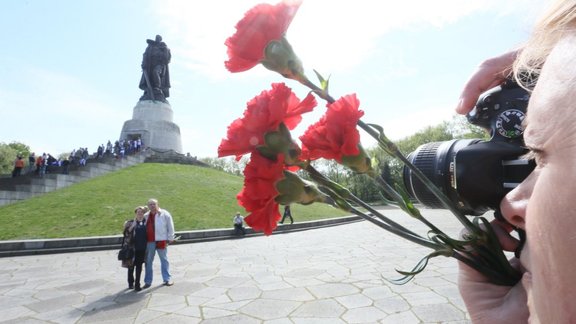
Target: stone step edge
<point x="83" y="244"/>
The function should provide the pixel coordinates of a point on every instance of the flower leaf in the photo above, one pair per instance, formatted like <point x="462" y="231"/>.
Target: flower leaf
<point x="408" y="206"/>
<point x="420" y="266"/>
<point x="323" y="82"/>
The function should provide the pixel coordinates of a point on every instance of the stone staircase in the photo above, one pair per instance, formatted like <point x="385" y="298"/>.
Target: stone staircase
<point x="13" y="190"/>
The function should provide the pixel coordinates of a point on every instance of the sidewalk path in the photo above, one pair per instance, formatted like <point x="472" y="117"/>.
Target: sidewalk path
<point x="328" y="275"/>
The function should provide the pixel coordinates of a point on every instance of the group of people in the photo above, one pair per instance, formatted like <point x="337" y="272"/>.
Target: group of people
<point x="147" y="234"/>
<point x="120" y="149"/>
<point x="36" y="164"/>
<point x="40" y="165"/>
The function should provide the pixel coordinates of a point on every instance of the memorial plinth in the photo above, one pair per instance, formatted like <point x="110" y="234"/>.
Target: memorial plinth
<point x="152" y="122"/>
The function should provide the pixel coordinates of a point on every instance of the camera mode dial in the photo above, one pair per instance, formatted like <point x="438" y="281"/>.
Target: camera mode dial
<point x="509" y="123"/>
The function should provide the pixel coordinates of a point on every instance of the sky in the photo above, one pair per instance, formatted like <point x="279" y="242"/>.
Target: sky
<point x="69" y="70"/>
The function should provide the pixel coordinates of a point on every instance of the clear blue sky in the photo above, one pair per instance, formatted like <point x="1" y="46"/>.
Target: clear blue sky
<point x="70" y="69"/>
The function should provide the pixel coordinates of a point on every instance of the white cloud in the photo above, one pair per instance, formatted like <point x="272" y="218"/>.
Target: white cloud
<point x="336" y="35"/>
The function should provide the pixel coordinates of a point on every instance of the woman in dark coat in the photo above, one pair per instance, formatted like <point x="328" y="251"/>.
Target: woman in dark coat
<point x="135" y="238"/>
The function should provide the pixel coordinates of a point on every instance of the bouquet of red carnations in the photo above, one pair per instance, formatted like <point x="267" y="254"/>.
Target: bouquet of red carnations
<point x="270" y="177"/>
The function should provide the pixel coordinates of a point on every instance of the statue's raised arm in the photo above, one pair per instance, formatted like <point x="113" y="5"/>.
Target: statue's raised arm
<point x="155" y="80"/>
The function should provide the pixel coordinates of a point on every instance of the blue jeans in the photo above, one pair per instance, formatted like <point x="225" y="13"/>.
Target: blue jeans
<point x="164" y="264"/>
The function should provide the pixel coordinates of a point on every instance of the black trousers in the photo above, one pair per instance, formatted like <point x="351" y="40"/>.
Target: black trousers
<point x="138" y="260"/>
<point x="289" y="216"/>
<point x="239" y="229"/>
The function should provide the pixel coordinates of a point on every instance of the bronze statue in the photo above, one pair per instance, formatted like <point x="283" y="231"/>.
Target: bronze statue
<point x="155" y="79"/>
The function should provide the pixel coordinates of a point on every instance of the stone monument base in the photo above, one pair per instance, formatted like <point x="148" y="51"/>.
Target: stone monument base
<point x="152" y="122"/>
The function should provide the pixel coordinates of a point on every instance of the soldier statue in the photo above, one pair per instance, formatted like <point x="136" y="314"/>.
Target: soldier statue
<point x="155" y="79"/>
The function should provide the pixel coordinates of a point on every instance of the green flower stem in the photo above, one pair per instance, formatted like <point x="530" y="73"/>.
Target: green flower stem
<point x="413" y="238"/>
<point x="380" y="216"/>
<point x="486" y="254"/>
<point x="383" y="221"/>
<point x="493" y="244"/>
<point x="399" y="200"/>
<point x="347" y="195"/>
<point x="494" y="274"/>
<point x="392" y="149"/>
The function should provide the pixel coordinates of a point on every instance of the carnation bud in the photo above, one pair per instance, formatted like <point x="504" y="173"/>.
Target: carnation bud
<point x="293" y="189"/>
<point x="279" y="57"/>
<point x="280" y="142"/>
<point x="277" y="142"/>
<point x="360" y="163"/>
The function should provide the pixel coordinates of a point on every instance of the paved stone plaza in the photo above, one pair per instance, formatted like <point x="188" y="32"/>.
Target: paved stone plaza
<point x="328" y="275"/>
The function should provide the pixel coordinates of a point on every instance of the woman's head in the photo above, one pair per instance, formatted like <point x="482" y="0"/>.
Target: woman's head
<point x="140" y="211"/>
<point x="543" y="204"/>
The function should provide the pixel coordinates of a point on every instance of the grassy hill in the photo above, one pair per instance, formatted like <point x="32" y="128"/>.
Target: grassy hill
<point x="197" y="198"/>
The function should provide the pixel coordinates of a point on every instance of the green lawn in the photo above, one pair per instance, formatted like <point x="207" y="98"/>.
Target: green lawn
<point x="197" y="198"/>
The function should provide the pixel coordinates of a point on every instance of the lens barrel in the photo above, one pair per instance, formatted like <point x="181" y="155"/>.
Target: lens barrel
<point x="436" y="161"/>
<point x="475" y="175"/>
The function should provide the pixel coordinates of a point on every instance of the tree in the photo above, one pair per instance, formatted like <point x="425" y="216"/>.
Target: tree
<point x="227" y="164"/>
<point x="8" y="153"/>
<point x="460" y="128"/>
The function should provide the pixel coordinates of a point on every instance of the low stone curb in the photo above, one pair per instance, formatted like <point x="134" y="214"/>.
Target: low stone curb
<point x="82" y="244"/>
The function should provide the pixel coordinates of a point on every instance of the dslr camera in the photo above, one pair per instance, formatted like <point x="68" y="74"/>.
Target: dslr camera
<point x="473" y="173"/>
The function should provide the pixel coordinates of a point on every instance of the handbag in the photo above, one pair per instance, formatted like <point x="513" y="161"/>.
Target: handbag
<point x="125" y="253"/>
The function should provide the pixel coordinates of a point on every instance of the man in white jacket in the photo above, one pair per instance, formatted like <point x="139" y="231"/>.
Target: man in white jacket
<point x="159" y="233"/>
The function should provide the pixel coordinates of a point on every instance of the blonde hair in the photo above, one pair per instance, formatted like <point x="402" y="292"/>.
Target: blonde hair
<point x="558" y="20"/>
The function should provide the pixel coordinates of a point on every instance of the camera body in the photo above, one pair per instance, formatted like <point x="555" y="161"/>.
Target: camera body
<point x="473" y="173"/>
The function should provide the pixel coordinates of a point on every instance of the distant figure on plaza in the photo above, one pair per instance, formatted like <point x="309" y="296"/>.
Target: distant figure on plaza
<point x="155" y="79"/>
<point x="159" y="233"/>
<point x="239" y="225"/>
<point x="287" y="213"/>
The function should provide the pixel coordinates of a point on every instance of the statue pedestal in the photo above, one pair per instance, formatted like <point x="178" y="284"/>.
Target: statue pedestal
<point x="152" y="122"/>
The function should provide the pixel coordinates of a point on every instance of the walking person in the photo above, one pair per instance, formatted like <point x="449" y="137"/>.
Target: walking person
<point x="287" y="213"/>
<point x="159" y="234"/>
<point x="239" y="225"/>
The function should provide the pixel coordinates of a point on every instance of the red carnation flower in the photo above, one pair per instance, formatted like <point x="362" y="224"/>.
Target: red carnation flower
<point x="259" y="192"/>
<point x="335" y="135"/>
<point x="260" y="25"/>
<point x="263" y="114"/>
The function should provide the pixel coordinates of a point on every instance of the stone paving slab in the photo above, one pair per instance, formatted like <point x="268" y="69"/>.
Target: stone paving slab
<point x="329" y="275"/>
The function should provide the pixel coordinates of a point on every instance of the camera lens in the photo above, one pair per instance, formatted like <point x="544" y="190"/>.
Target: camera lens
<point x="475" y="175"/>
<point x="436" y="161"/>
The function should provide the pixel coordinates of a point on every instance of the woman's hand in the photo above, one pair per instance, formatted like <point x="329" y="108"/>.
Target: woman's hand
<point x="489" y="74"/>
<point x="489" y="303"/>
